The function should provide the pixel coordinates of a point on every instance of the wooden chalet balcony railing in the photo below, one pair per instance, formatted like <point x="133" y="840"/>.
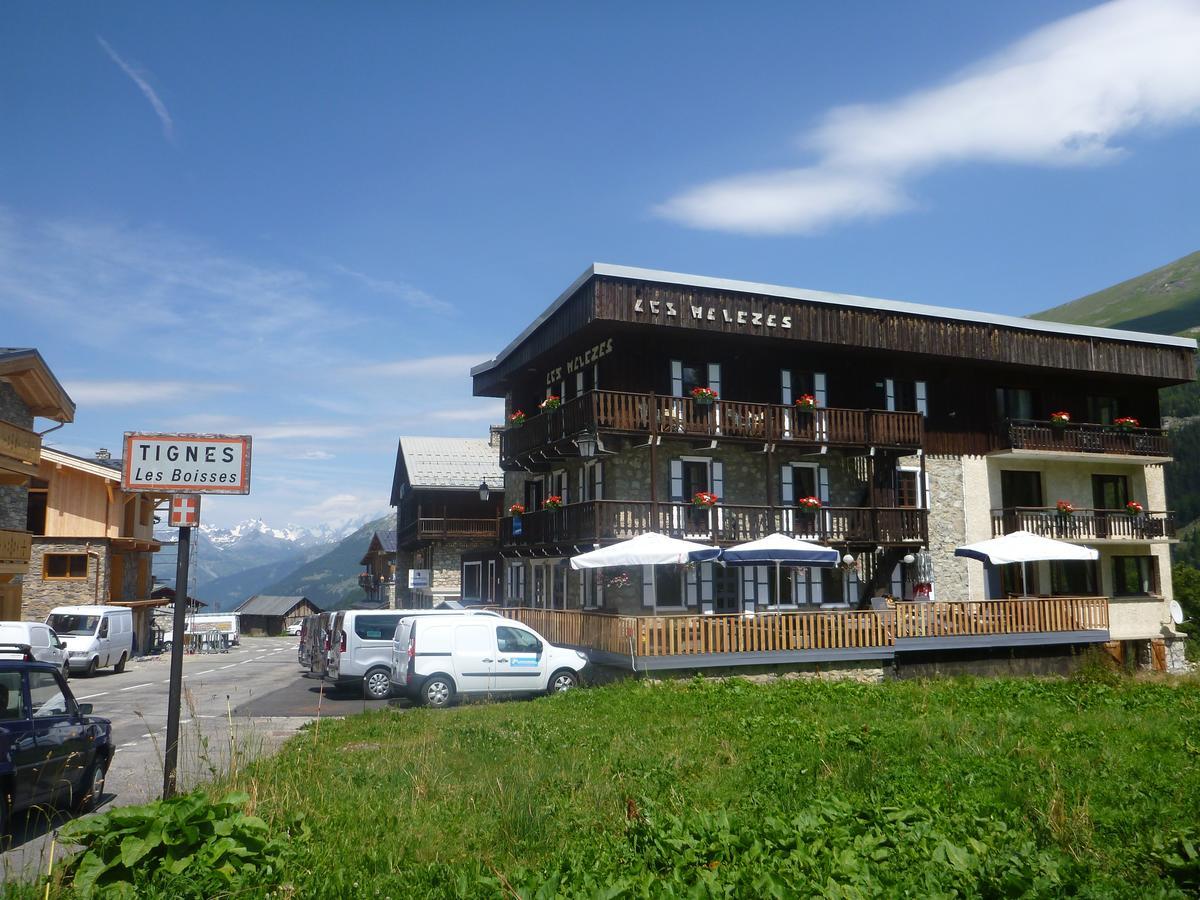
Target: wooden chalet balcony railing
<point x="1084" y="437"/>
<point x="595" y="521"/>
<point x="455" y="528"/>
<point x="769" y="631"/>
<point x="1084" y="524"/>
<point x="19" y="445"/>
<point x="14" y="551"/>
<point x="653" y="414"/>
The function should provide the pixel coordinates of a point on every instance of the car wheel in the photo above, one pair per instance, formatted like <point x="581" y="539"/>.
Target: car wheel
<point x="92" y="667"/>
<point x="91" y="787"/>
<point x="66" y="670"/>
<point x="562" y="680"/>
<point x="438" y="691"/>
<point x="378" y="684"/>
<point x="120" y="666"/>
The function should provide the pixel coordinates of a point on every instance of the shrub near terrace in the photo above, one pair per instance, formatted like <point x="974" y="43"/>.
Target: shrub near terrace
<point x="703" y="789"/>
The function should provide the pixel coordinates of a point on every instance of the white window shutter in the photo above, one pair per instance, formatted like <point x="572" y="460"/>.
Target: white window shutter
<point x="598" y="481"/>
<point x="579" y="383"/>
<point x="714" y="377"/>
<point x="748" y="587"/>
<point x="562" y="390"/>
<point x="706" y="588"/>
<point x="785" y="387"/>
<point x="648" y="587"/>
<point x="583" y="483"/>
<point x="897" y="582"/>
<point x="677" y="479"/>
<point x="819" y="388"/>
<point x="922" y="398"/>
<point x="595" y="376"/>
<point x="889" y="387"/>
<point x="823" y="485"/>
<point x="925" y="492"/>
<point x="692" y="586"/>
<point x="600" y="592"/>
<point x="521" y="581"/>
<point x="787" y="490"/>
<point x="763" y="592"/>
<point x="718" y="479"/>
<point x="676" y="378"/>
<point x="816" y="586"/>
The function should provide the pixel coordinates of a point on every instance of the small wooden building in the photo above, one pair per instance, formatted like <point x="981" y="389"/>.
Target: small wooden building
<point x="264" y="614"/>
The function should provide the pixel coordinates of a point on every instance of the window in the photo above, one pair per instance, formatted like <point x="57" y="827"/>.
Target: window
<point x="1110" y="491"/>
<point x="1102" y="410"/>
<point x="903" y="395"/>
<point x="1020" y="489"/>
<point x="46" y="695"/>
<point x="73" y="625"/>
<point x="471" y="577"/>
<point x="12" y="701"/>
<point x="1073" y="578"/>
<point x="516" y="640"/>
<point x="794" y="384"/>
<point x="1134" y="576"/>
<point x="688" y="375"/>
<point x="35" y="510"/>
<point x="375" y="628"/>
<point x="908" y="488"/>
<point x="1014" y="403"/>
<point x="65" y="565"/>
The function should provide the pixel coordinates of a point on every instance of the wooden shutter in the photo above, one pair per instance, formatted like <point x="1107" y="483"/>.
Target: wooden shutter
<point x="598" y="481"/>
<point x="691" y="586"/>
<point x="785" y="387"/>
<point x="706" y="588"/>
<point x="678" y="512"/>
<point x="819" y="388"/>
<point x="676" y="378"/>
<point x="714" y="377"/>
<point x="922" y="397"/>
<point x="583" y="485"/>
<point x="718" y="488"/>
<point x="787" y="494"/>
<point x="816" y="585"/>
<point x="648" y="587"/>
<point x="762" y="594"/>
<point x="579" y="383"/>
<point x="889" y="389"/>
<point x="897" y="582"/>
<point x="748" y="588"/>
<point x="823" y="484"/>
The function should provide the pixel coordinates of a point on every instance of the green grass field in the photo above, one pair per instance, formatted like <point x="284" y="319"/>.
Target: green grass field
<point x="731" y="789"/>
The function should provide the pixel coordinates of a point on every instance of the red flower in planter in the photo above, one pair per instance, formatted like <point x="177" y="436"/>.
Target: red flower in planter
<point x="704" y="499"/>
<point x="517" y="418"/>
<point x="806" y="403"/>
<point x="516" y="509"/>
<point x="1134" y="508"/>
<point x="552" y="402"/>
<point x="1062" y="417"/>
<point x="1064" y="507"/>
<point x="703" y="395"/>
<point x="809" y="503"/>
<point x="1127" y="423"/>
<point x="552" y="502"/>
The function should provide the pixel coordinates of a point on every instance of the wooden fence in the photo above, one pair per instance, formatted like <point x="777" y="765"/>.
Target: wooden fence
<point x="20" y="444"/>
<point x="1084" y="524"/>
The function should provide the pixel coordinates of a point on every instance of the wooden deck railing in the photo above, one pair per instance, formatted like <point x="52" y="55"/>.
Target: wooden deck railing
<point x="1084" y="437"/>
<point x="1084" y="524"/>
<point x="595" y="521"/>
<point x="769" y="631"/>
<point x="452" y="528"/>
<point x="654" y="414"/>
<point x="14" y="551"/>
<point x="20" y="444"/>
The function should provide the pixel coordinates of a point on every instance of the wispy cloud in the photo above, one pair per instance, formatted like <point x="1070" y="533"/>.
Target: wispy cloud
<point x="160" y="108"/>
<point x="342" y="506"/>
<point x="408" y="294"/>
<point x="310" y="455"/>
<point x="1058" y="97"/>
<point x="458" y="364"/>
<point x="134" y="393"/>
<point x="486" y="411"/>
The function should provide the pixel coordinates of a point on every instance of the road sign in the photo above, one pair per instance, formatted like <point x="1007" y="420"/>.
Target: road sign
<point x="419" y="578"/>
<point x="186" y="463"/>
<point x="185" y="511"/>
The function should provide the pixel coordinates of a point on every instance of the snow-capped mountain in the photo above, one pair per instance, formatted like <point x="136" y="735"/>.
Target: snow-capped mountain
<point x="255" y="530"/>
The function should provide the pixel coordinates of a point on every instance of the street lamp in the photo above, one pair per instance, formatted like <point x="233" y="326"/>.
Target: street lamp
<point x="484" y="491"/>
<point x="586" y="445"/>
<point x="909" y="559"/>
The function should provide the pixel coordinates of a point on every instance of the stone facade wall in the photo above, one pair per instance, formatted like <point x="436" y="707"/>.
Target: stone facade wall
<point x="14" y="499"/>
<point x="40" y="596"/>
<point x="947" y="527"/>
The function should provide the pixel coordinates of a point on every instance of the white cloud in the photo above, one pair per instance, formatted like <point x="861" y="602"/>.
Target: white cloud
<point x="486" y="411"/>
<point x="160" y="108"/>
<point x="340" y="506"/>
<point x="315" y="455"/>
<point x="1060" y="96"/>
<point x="408" y="294"/>
<point x="133" y="393"/>
<point x="425" y="366"/>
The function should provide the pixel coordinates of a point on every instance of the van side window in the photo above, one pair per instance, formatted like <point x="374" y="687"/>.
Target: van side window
<point x="515" y="640"/>
<point x="375" y="628"/>
<point x="104" y="627"/>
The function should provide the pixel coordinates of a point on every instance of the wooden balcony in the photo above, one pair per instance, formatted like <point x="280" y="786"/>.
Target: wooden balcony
<point x="14" y="552"/>
<point x="441" y="529"/>
<point x="678" y="641"/>
<point x="20" y="449"/>
<point x="1083" y="437"/>
<point x="599" y="521"/>
<point x="551" y="432"/>
<point x="1085" y="524"/>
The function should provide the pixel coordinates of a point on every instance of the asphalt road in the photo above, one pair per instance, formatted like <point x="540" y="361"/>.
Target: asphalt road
<point x="236" y="705"/>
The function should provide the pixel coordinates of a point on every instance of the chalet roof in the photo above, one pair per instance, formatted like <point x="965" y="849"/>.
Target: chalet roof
<point x="267" y="605"/>
<point x="27" y="372"/>
<point x="446" y="463"/>
<point x="831" y="299"/>
<point x="385" y="541"/>
<point x="107" y="469"/>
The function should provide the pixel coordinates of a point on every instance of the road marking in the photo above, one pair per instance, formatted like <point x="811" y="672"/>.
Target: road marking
<point x="90" y="696"/>
<point x="205" y="672"/>
<point x="134" y="687"/>
<point x="130" y="744"/>
<point x="230" y="666"/>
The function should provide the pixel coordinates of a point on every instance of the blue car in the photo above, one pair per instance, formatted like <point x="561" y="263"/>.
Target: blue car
<point x="52" y="750"/>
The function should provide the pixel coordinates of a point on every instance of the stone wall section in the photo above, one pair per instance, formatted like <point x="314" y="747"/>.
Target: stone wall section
<point x="40" y="596"/>
<point x="14" y="499"/>
<point x="947" y="527"/>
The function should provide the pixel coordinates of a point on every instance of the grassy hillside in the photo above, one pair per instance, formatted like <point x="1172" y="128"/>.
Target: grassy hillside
<point x="331" y="580"/>
<point x="1164" y="301"/>
<point x="964" y="788"/>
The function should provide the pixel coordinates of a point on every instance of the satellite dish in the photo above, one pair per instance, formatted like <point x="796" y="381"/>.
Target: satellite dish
<point x="1176" y="612"/>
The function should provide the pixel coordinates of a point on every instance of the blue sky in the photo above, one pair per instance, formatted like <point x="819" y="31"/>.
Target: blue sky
<point x="305" y="221"/>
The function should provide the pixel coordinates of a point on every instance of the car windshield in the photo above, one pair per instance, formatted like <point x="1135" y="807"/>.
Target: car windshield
<point x="70" y="624"/>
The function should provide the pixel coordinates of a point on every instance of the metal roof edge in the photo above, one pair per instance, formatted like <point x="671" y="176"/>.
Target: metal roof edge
<point x="66" y="459"/>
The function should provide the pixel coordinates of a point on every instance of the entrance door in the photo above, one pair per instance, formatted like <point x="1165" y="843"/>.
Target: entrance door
<point x="534" y="492"/>
<point x="725" y="590"/>
<point x="1110" y="493"/>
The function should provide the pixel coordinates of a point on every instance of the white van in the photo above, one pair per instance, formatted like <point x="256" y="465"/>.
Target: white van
<point x="43" y="643"/>
<point x="435" y="659"/>
<point x="95" y="636"/>
<point x="227" y="623"/>
<point x="361" y="647"/>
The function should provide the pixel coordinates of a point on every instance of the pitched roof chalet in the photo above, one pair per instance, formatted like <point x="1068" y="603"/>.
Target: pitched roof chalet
<point x="267" y="605"/>
<point x="445" y="462"/>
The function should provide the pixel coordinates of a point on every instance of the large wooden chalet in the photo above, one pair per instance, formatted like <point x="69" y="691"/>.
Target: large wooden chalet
<point x="893" y="431"/>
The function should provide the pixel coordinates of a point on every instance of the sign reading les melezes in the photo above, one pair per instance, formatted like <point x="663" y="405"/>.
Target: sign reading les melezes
<point x="187" y="463"/>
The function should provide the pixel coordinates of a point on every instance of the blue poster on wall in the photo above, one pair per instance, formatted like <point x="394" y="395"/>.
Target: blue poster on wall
<point x="516" y="526"/>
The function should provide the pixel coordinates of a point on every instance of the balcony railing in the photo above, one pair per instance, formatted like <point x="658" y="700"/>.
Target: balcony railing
<point x="769" y="631"/>
<point x="435" y="528"/>
<point x="608" y="520"/>
<point x="14" y="551"/>
<point x="19" y="445"/>
<point x="1085" y="524"/>
<point x="653" y="414"/>
<point x="1084" y="437"/>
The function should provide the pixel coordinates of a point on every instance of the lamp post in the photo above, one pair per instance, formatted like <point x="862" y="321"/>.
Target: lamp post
<point x="484" y="491"/>
<point x="586" y="445"/>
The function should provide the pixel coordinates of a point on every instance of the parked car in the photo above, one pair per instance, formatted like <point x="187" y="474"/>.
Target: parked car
<point x="362" y="651"/>
<point x="435" y="659"/>
<point x="294" y="628"/>
<point x="43" y="643"/>
<point x="51" y="747"/>
<point x="304" y="647"/>
<point x="95" y="636"/>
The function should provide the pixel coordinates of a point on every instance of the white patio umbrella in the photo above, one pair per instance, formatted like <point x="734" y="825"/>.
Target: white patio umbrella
<point x="780" y="549"/>
<point x="1024" y="547"/>
<point x="649" y="549"/>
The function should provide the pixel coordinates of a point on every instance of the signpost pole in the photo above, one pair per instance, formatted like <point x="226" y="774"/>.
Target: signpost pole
<point x="175" y="695"/>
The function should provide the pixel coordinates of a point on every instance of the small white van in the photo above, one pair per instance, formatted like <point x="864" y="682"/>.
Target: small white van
<point x="43" y="643"/>
<point x="435" y="659"/>
<point x="227" y="623"/>
<point x="361" y="647"/>
<point x="95" y="636"/>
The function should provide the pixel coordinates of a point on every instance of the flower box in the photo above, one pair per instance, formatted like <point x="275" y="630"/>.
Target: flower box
<point x="704" y="396"/>
<point x="1134" y="508"/>
<point x="552" y="502"/>
<point x="1065" y="508"/>
<point x="704" y="499"/>
<point x="806" y="403"/>
<point x="517" y="418"/>
<point x="1060" y="419"/>
<point x="809" y="503"/>
<point x="552" y="402"/>
<point x="516" y="509"/>
<point x="1127" y="423"/>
